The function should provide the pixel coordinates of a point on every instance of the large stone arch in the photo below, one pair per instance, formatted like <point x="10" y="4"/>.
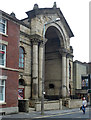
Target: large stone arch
<point x="59" y="33"/>
<point x="37" y="28"/>
<point x="37" y="18"/>
<point x="56" y="40"/>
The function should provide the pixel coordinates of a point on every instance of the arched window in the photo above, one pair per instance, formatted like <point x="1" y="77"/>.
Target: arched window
<point x="21" y="57"/>
<point x="21" y="82"/>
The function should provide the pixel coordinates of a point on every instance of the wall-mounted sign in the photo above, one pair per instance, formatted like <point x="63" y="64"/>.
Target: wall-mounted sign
<point x="20" y="93"/>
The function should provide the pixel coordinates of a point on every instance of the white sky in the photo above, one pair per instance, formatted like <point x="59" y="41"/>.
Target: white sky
<point x="76" y="12"/>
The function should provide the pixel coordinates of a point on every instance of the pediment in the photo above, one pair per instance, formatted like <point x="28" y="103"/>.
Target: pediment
<point x="47" y="11"/>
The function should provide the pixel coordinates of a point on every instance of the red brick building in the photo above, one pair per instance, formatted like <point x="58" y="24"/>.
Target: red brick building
<point x="9" y="61"/>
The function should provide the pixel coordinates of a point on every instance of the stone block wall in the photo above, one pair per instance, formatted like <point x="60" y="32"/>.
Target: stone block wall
<point x="76" y="103"/>
<point x="71" y="103"/>
<point x="49" y="105"/>
<point x="26" y="72"/>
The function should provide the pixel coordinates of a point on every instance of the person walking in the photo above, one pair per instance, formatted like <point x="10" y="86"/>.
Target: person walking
<point x="84" y="104"/>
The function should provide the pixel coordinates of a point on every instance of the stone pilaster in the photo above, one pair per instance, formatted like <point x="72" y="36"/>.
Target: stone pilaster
<point x="35" y="71"/>
<point x="40" y="68"/>
<point x="65" y="72"/>
<point x="71" y="80"/>
<point x="64" y="87"/>
<point x="67" y="82"/>
<point x="35" y="40"/>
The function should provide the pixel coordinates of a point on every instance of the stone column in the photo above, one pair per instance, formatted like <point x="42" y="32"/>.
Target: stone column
<point x="67" y="82"/>
<point x="35" y="71"/>
<point x="71" y="80"/>
<point x="40" y="68"/>
<point x="64" y="87"/>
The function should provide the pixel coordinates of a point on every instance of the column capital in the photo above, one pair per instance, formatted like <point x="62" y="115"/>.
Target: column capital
<point x="63" y="51"/>
<point x="69" y="55"/>
<point x="43" y="42"/>
<point x="35" y="39"/>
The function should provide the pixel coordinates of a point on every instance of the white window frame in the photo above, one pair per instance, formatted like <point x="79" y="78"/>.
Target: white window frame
<point x="2" y="101"/>
<point x="21" y="57"/>
<point x="1" y="46"/>
<point x="3" y="22"/>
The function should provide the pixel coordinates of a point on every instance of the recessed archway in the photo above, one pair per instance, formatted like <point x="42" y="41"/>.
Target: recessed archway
<point x="53" y="62"/>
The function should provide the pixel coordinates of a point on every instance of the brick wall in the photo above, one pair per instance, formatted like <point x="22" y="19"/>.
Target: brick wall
<point x="12" y="62"/>
<point x="13" y="46"/>
<point x="11" y="88"/>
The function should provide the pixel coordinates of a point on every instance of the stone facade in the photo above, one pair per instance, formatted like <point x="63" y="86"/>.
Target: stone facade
<point x="48" y="57"/>
<point x="80" y="76"/>
<point x="79" y="70"/>
<point x="25" y="73"/>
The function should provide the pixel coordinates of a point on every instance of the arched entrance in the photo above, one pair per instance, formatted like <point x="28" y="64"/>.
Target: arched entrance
<point x="56" y="50"/>
<point x="53" y="63"/>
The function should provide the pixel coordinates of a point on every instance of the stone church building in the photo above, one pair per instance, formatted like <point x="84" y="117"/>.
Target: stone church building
<point x="49" y="57"/>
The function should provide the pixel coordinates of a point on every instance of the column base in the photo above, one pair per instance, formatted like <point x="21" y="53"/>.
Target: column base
<point x="33" y="101"/>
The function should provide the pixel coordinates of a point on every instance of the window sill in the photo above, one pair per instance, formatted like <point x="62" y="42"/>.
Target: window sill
<point x="4" y="34"/>
<point x="3" y="42"/>
<point x="3" y="103"/>
<point x="6" y="68"/>
<point x="2" y="66"/>
<point x="21" y="68"/>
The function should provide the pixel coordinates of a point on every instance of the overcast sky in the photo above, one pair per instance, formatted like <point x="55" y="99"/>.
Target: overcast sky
<point x="76" y="12"/>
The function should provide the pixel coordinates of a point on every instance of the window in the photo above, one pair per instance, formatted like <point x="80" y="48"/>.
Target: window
<point x="21" y="57"/>
<point x="2" y="90"/>
<point x="2" y="55"/>
<point x="21" y="82"/>
<point x="84" y="82"/>
<point x="51" y="86"/>
<point x="2" y="26"/>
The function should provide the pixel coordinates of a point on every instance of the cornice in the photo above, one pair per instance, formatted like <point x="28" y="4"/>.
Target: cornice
<point x="25" y="34"/>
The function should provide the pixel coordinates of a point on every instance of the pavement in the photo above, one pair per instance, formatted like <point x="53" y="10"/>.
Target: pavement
<point x="35" y="114"/>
